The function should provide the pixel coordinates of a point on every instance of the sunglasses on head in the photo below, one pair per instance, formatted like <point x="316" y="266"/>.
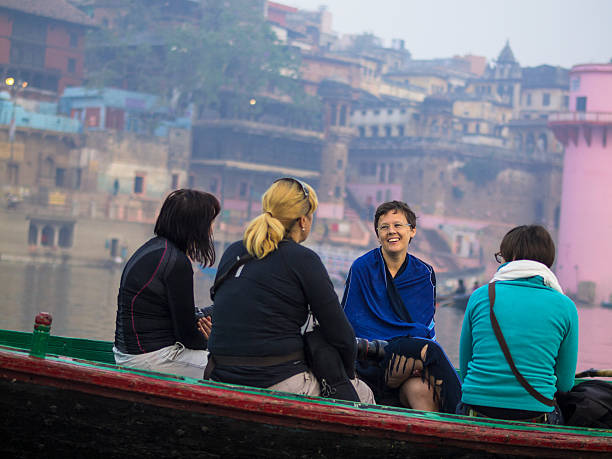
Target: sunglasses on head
<point x="299" y="182"/>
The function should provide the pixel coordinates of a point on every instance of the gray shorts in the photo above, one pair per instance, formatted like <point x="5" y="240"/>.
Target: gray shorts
<point x="175" y="359"/>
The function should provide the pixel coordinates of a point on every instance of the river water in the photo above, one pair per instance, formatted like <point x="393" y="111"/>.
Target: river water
<point x="82" y="301"/>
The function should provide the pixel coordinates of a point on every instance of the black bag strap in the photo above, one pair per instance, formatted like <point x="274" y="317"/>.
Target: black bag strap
<point x="232" y="269"/>
<point x="502" y="343"/>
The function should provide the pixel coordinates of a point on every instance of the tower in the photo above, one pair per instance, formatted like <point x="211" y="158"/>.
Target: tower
<point x="585" y="230"/>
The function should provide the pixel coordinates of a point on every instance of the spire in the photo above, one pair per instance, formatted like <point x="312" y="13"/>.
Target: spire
<point x="506" y="55"/>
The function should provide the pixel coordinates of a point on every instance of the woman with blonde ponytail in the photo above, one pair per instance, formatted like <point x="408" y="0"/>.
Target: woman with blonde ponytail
<point x="269" y="284"/>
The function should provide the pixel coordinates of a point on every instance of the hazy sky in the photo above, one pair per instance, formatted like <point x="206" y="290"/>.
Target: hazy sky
<point x="556" y="32"/>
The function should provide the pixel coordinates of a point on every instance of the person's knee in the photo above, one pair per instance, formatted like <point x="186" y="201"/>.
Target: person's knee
<point x="418" y="394"/>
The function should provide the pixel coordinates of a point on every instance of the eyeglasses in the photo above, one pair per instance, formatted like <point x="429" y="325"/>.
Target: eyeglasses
<point x="299" y="182"/>
<point x="384" y="228"/>
<point x="499" y="258"/>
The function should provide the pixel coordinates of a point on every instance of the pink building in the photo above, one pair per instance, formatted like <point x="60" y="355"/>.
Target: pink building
<point x="584" y="248"/>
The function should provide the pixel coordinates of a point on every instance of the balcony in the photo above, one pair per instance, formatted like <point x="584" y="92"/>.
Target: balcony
<point x="602" y="118"/>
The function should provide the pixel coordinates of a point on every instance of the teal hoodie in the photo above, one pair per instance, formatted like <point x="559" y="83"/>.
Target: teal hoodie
<point x="540" y="326"/>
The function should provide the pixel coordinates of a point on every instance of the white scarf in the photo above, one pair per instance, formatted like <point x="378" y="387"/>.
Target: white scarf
<point x="520" y="269"/>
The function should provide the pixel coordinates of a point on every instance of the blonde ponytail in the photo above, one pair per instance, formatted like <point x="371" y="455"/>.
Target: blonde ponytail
<point x="282" y="204"/>
<point x="263" y="235"/>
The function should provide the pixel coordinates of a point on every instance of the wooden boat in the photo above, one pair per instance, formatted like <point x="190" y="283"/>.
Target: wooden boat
<point x="75" y="402"/>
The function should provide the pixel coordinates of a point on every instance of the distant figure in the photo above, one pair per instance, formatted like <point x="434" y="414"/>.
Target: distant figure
<point x="475" y="285"/>
<point x="390" y="295"/>
<point x="460" y="287"/>
<point x="156" y="326"/>
<point x="260" y="307"/>
<point x="538" y="323"/>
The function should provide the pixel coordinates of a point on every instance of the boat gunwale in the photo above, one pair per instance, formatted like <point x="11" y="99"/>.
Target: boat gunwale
<point x="298" y="411"/>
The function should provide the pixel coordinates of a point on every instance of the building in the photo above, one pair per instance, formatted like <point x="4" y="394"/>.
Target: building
<point x="43" y="43"/>
<point x="585" y="247"/>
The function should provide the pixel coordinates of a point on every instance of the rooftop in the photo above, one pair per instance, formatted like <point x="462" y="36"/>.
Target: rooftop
<point x="59" y="10"/>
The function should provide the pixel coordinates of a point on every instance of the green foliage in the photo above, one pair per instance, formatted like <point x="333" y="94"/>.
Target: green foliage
<point x="226" y="46"/>
<point x="481" y="171"/>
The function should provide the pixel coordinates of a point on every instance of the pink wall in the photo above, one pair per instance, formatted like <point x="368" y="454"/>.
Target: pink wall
<point x="585" y="233"/>
<point x="593" y="81"/>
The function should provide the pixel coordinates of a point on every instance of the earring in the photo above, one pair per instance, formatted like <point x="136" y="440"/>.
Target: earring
<point x="303" y="229"/>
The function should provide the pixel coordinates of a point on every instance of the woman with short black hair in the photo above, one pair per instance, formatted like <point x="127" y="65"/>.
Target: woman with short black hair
<point x="524" y="310"/>
<point x="156" y="327"/>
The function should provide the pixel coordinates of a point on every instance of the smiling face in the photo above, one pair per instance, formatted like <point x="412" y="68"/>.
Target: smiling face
<point x="394" y="241"/>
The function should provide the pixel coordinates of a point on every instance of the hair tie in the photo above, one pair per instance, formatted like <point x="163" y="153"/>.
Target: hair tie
<point x="269" y="213"/>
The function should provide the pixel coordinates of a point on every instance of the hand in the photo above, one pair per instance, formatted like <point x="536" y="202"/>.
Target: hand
<point x="205" y="326"/>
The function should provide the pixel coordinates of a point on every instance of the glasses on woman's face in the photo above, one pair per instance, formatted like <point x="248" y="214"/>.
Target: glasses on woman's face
<point x="385" y="228"/>
<point x="499" y="258"/>
<point x="299" y="182"/>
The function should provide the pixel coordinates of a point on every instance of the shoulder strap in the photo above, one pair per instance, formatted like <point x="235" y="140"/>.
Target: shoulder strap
<point x="219" y="280"/>
<point x="502" y="343"/>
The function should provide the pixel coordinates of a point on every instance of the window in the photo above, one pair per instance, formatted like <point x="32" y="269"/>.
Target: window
<point x="581" y="104"/>
<point x="60" y="176"/>
<point x="74" y="40"/>
<point x="12" y="173"/>
<point x="337" y="192"/>
<point x="400" y="131"/>
<point x="376" y="112"/>
<point x="343" y="115"/>
<point x="191" y="181"/>
<point x="47" y="236"/>
<point x="528" y="102"/>
<point x="214" y="184"/>
<point x="139" y="184"/>
<point x="175" y="181"/>
<point x="71" y="65"/>
<point x="65" y="237"/>
<point x="565" y="101"/>
<point x="546" y="99"/>
<point x="388" y="131"/>
<point x="374" y="131"/>
<point x="339" y="164"/>
<point x="243" y="190"/>
<point x="604" y="136"/>
<point x="390" y="111"/>
<point x="361" y="131"/>
<point x="403" y="111"/>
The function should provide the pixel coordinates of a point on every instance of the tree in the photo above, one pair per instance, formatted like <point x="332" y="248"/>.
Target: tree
<point x="225" y="45"/>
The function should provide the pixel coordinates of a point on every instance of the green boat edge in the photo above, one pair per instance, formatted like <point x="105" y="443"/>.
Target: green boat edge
<point x="98" y="354"/>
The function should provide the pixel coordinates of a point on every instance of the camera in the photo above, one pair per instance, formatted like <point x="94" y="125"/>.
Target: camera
<point x="371" y="350"/>
<point x="203" y="312"/>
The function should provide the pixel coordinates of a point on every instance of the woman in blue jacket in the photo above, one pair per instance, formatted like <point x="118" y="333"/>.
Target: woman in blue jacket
<point x="539" y="325"/>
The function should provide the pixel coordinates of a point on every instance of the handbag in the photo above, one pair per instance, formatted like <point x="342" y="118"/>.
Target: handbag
<point x="325" y="362"/>
<point x="504" y="346"/>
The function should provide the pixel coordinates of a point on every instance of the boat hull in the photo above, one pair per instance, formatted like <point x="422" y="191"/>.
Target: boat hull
<point x="79" y="409"/>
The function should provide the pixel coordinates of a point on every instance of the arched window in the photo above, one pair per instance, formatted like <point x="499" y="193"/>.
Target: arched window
<point x="32" y="234"/>
<point x="48" y="168"/>
<point x="530" y="143"/>
<point x="47" y="236"/>
<point x="343" y="115"/>
<point x="65" y="237"/>
<point x="542" y="142"/>
<point x="518" y="142"/>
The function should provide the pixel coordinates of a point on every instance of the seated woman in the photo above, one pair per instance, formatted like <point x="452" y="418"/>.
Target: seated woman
<point x="390" y="295"/>
<point x="261" y="306"/>
<point x="156" y="326"/>
<point x="539" y="325"/>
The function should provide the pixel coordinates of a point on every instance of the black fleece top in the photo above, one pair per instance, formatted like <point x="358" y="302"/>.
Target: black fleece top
<point x="260" y="310"/>
<point x="155" y="305"/>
